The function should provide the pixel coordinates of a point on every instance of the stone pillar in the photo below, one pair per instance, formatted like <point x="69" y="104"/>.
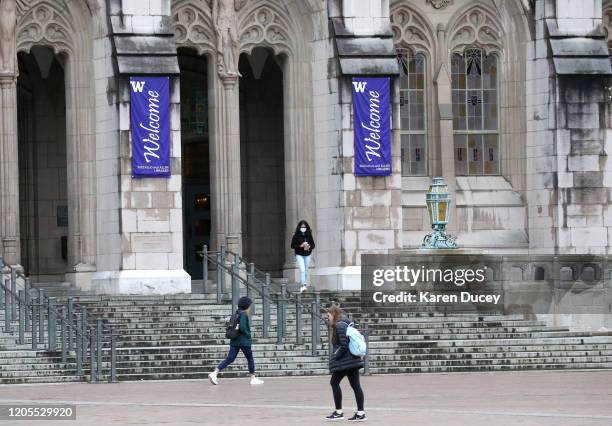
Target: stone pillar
<point x="299" y="156"/>
<point x="225" y="176"/>
<point x="447" y="144"/>
<point x="447" y="154"/>
<point x="9" y="171"/>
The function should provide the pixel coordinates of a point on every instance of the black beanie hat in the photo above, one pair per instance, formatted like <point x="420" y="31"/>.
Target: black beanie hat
<point x="244" y="303"/>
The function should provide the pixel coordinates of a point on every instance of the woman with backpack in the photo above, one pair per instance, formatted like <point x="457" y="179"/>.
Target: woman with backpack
<point x="303" y="244"/>
<point x="241" y="342"/>
<point x="343" y="364"/>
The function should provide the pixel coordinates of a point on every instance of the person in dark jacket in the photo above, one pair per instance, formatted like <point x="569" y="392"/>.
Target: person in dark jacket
<point x="343" y="364"/>
<point x="242" y="342"/>
<point x="303" y="244"/>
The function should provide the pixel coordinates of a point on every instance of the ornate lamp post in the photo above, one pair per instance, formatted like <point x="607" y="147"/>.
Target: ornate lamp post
<point x="438" y="207"/>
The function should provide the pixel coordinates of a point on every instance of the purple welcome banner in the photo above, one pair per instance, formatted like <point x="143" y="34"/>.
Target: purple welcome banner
<point x="150" y="123"/>
<point x="372" y="112"/>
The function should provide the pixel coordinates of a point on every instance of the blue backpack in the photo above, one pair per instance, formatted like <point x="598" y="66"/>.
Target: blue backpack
<point x="357" y="343"/>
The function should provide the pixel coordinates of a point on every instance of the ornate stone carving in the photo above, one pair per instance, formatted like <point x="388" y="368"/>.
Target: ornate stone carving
<point x="194" y="26"/>
<point x="43" y="24"/>
<point x="607" y="23"/>
<point x="265" y="25"/>
<point x="410" y="29"/>
<point x="440" y="4"/>
<point x="476" y="27"/>
<point x="8" y="24"/>
<point x="225" y="22"/>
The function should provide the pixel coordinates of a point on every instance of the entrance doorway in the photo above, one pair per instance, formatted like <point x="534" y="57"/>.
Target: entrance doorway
<point x="43" y="201"/>
<point x="262" y="160"/>
<point x="195" y="158"/>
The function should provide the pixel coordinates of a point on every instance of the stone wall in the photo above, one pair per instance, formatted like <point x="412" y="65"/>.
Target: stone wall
<point x="109" y="247"/>
<point x="150" y="219"/>
<point x="327" y="140"/>
<point x="582" y="134"/>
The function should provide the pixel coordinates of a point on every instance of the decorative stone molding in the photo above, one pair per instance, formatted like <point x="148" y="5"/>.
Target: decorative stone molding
<point x="23" y="6"/>
<point x="476" y="27"/>
<point x="265" y="25"/>
<point x="410" y="29"/>
<point x="8" y="23"/>
<point x="607" y="23"/>
<point x="439" y="4"/>
<point x="193" y="26"/>
<point x="45" y="24"/>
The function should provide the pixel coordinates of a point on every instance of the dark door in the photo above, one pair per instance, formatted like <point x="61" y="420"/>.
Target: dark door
<point x="196" y="226"/>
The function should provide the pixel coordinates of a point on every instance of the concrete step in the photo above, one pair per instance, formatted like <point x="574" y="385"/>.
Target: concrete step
<point x="182" y="336"/>
<point x="484" y="368"/>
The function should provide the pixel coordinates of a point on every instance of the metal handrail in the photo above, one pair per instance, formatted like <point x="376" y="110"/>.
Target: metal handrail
<point x="19" y="274"/>
<point x="72" y="323"/>
<point x="221" y="261"/>
<point x="287" y="295"/>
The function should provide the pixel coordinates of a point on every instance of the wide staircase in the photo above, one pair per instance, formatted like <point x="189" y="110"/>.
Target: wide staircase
<point x="182" y="337"/>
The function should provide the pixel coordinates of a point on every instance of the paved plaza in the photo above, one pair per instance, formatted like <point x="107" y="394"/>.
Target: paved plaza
<point x="525" y="398"/>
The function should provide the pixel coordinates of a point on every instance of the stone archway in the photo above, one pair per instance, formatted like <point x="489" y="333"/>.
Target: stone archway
<point x="285" y="30"/>
<point x="66" y="31"/>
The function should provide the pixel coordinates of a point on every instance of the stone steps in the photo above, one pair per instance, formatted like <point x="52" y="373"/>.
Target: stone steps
<point x="482" y="368"/>
<point x="59" y="378"/>
<point x="230" y="372"/>
<point x="182" y="336"/>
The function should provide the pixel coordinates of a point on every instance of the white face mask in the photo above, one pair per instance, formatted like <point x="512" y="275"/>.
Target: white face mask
<point x="303" y="230"/>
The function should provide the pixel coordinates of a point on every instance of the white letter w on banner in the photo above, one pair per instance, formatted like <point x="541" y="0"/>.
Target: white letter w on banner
<point x="137" y="86"/>
<point x="360" y="86"/>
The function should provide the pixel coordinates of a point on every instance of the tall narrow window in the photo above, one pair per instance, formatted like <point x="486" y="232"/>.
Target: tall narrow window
<point x="413" y="126"/>
<point x="475" y="113"/>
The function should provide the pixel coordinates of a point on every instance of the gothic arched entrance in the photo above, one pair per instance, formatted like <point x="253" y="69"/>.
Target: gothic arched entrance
<point x="262" y="160"/>
<point x="43" y="202"/>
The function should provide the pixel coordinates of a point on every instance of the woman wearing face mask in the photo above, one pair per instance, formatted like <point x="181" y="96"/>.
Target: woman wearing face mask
<point x="303" y="244"/>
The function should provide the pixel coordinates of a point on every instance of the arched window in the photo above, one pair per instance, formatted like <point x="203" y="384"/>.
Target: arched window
<point x="413" y="122"/>
<point x="475" y="112"/>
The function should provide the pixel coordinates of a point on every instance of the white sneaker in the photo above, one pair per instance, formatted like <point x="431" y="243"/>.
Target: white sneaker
<point x="303" y="289"/>
<point x="213" y="378"/>
<point x="256" y="381"/>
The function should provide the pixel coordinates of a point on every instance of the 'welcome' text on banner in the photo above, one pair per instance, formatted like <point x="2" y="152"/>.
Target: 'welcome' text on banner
<point x="150" y="123"/>
<point x="371" y="103"/>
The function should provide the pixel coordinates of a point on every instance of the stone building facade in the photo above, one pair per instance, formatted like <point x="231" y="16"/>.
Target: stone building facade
<point x="508" y="100"/>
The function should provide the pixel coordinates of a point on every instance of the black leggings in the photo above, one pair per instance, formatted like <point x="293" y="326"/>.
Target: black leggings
<point x="353" y="376"/>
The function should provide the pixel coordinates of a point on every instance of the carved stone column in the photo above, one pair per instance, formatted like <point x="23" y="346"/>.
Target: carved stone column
<point x="9" y="171"/>
<point x="445" y="110"/>
<point x="225" y="179"/>
<point x="299" y="155"/>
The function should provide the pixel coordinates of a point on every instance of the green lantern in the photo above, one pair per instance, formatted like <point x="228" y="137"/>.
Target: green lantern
<point x="438" y="207"/>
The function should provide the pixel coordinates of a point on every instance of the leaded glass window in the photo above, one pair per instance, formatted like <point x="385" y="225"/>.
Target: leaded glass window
<point x="413" y="125"/>
<point x="475" y="113"/>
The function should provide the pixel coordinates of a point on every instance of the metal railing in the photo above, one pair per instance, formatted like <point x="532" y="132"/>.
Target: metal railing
<point x="259" y="284"/>
<point x="57" y="327"/>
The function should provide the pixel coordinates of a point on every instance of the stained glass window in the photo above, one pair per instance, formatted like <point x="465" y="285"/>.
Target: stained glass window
<point x="475" y="113"/>
<point x="412" y="113"/>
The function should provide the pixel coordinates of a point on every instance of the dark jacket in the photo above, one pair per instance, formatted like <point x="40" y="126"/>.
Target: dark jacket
<point x="244" y="337"/>
<point x="342" y="359"/>
<point x="298" y="239"/>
